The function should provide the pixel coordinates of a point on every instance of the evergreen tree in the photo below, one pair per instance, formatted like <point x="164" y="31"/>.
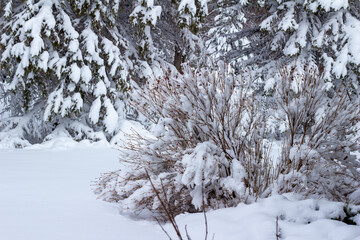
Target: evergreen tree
<point x="143" y="17"/>
<point x="305" y="32"/>
<point x="169" y="31"/>
<point x="66" y="64"/>
<point x="62" y="67"/>
<point x="224" y="24"/>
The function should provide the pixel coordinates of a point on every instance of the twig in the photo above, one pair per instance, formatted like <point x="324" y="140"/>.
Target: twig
<point x="187" y="233"/>
<point x="277" y="228"/>
<point x="203" y="203"/>
<point x="170" y="217"/>
<point x="162" y="228"/>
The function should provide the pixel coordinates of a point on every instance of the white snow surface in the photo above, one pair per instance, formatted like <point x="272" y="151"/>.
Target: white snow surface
<point x="46" y="194"/>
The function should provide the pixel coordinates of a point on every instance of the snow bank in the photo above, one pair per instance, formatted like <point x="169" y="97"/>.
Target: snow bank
<point x="297" y="220"/>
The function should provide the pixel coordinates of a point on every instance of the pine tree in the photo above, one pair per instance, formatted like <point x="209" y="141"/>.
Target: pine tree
<point x="66" y="64"/>
<point x="306" y="32"/>
<point x="63" y="68"/>
<point x="143" y="17"/>
<point x="169" y="30"/>
<point x="223" y="25"/>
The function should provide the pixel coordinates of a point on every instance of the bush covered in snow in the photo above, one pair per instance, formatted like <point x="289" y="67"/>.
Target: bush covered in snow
<point x="212" y="141"/>
<point x="320" y="128"/>
<point x="209" y="141"/>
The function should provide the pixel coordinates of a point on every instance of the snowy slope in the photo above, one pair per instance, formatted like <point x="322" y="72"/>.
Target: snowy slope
<point x="45" y="194"/>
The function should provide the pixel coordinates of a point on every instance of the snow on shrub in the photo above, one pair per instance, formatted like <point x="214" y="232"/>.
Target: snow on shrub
<point x="208" y="143"/>
<point x="321" y="136"/>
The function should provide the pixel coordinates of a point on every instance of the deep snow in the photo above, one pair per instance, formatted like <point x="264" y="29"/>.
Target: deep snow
<point x="45" y="194"/>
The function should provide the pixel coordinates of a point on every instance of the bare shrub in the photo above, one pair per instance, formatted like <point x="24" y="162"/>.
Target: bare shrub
<point x="322" y="125"/>
<point x="209" y="140"/>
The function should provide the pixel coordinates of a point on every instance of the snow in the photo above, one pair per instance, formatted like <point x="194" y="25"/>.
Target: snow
<point x="340" y="63"/>
<point x="17" y="50"/>
<point x="352" y="27"/>
<point x="44" y="16"/>
<point x="95" y="110"/>
<point x="100" y="89"/>
<point x="328" y="5"/>
<point x="266" y="24"/>
<point x="113" y="53"/>
<point x="189" y="4"/>
<point x="258" y="221"/>
<point x="269" y="84"/>
<point x="74" y="45"/>
<point x="198" y="167"/>
<point x="202" y="168"/>
<point x="86" y="74"/>
<point x="111" y="117"/>
<point x="91" y="40"/>
<point x="45" y="193"/>
<point x="102" y="75"/>
<point x="43" y="61"/>
<point x="91" y="45"/>
<point x="69" y="29"/>
<point x="36" y="46"/>
<point x="65" y="106"/>
<point x="149" y="13"/>
<point x="289" y="22"/>
<point x="45" y="190"/>
<point x="75" y="73"/>
<point x="7" y="9"/>
<point x="77" y="99"/>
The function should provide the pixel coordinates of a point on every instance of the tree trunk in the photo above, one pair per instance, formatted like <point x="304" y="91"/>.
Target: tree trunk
<point x="179" y="58"/>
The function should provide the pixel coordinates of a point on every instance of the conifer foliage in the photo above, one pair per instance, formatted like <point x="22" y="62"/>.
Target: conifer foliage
<point x="66" y="65"/>
<point x="56" y="68"/>
<point x="308" y="32"/>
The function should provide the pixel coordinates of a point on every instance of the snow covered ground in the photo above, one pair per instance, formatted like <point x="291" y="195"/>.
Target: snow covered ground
<point x="45" y="194"/>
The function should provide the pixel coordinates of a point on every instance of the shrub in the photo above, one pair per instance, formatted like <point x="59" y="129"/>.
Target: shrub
<point x="320" y="138"/>
<point x="209" y="141"/>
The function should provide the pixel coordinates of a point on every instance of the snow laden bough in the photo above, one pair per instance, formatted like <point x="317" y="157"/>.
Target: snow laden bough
<point x="211" y="143"/>
<point x="301" y="32"/>
<point x="62" y="73"/>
